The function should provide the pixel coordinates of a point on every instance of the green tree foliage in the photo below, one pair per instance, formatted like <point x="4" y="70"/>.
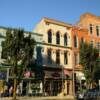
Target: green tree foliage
<point x="96" y="76"/>
<point x="88" y="56"/>
<point x="19" y="50"/>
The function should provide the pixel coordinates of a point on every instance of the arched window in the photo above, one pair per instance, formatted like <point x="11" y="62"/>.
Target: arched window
<point x="65" y="40"/>
<point x="49" y="36"/>
<point x="57" y="57"/>
<point x="97" y="30"/>
<point x="57" y="38"/>
<point x="91" y="28"/>
<point x="75" y="41"/>
<point x="49" y="54"/>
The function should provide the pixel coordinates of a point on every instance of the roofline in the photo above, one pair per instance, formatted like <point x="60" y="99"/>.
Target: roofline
<point x="90" y="14"/>
<point x="49" y="20"/>
<point x="22" y="28"/>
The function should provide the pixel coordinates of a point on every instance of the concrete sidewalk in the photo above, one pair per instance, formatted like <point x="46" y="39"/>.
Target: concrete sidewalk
<point x="41" y="98"/>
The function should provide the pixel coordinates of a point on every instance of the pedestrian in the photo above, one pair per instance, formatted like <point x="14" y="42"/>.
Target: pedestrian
<point x="11" y="91"/>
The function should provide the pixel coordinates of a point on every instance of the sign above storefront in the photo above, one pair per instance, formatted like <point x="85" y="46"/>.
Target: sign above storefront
<point x="55" y="75"/>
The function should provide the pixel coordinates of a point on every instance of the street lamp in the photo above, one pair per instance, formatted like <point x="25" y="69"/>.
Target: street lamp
<point x="62" y="80"/>
<point x="73" y="71"/>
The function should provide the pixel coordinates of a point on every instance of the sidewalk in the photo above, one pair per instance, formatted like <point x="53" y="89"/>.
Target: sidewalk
<point x="41" y="98"/>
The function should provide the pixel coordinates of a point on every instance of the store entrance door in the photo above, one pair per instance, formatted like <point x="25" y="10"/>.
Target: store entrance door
<point x="56" y="87"/>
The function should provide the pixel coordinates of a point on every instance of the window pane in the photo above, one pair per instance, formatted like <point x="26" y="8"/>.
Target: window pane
<point x="91" y="28"/>
<point x="97" y="30"/>
<point x="75" y="41"/>
<point x="65" y="40"/>
<point x="65" y="57"/>
<point x="57" y="38"/>
<point x="49" y="36"/>
<point x="49" y="56"/>
<point x="57" y="57"/>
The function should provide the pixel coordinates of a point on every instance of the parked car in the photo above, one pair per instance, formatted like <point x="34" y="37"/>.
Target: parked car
<point x="92" y="94"/>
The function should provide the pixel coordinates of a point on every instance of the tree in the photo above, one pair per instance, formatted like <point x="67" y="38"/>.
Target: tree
<point x="96" y="76"/>
<point x="88" y="56"/>
<point x="19" y="52"/>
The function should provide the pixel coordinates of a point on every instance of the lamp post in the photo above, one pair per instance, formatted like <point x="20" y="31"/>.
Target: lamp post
<point x="73" y="71"/>
<point x="62" y="80"/>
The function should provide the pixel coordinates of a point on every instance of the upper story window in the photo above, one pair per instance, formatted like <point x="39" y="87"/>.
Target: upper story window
<point x="91" y="43"/>
<point x="57" y="57"/>
<point x="91" y="28"/>
<point x="98" y="46"/>
<point x="65" y="40"/>
<point x="76" y="56"/>
<point x="49" y="53"/>
<point x="82" y="39"/>
<point x="49" y="36"/>
<point x="97" y="30"/>
<point x="39" y="55"/>
<point x="57" y="38"/>
<point x="65" y="57"/>
<point x="75" y="41"/>
<point x="3" y="52"/>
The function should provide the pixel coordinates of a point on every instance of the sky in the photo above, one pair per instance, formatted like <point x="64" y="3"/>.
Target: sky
<point x="27" y="13"/>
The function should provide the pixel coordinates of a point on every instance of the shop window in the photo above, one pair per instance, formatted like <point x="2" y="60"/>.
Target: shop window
<point x="97" y="30"/>
<point x="57" y="57"/>
<point x="49" y="36"/>
<point x="49" y="53"/>
<point x="57" y="38"/>
<point x="65" y="57"/>
<point x="65" y="40"/>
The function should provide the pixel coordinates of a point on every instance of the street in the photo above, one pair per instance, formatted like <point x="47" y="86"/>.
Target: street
<point x="40" y="98"/>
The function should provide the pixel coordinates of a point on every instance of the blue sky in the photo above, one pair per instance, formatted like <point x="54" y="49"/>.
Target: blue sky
<point x="27" y="13"/>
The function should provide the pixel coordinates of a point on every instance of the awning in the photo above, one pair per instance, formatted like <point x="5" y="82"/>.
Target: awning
<point x="80" y="76"/>
<point x="66" y="72"/>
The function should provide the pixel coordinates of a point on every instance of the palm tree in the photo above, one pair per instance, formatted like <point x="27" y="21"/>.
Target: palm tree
<point x="19" y="50"/>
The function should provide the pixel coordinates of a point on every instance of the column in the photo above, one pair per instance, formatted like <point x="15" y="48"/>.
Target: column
<point x="71" y="88"/>
<point x="65" y="87"/>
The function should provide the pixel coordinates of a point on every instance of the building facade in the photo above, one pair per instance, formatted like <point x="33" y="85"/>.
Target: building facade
<point x="6" y="70"/>
<point x="57" y="56"/>
<point x="57" y="51"/>
<point x="92" y="23"/>
<point x="86" y="30"/>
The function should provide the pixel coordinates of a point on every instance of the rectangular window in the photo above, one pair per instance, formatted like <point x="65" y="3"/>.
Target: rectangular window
<point x="97" y="30"/>
<point x="49" y="56"/>
<point x="57" y="57"/>
<point x="65" y="57"/>
<point x="91" y="43"/>
<point x="98" y="46"/>
<point x="91" y="28"/>
<point x="3" y="52"/>
<point x="39" y="58"/>
<point x="76" y="58"/>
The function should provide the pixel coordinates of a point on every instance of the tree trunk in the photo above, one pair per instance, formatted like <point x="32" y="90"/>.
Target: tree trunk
<point x="14" y="91"/>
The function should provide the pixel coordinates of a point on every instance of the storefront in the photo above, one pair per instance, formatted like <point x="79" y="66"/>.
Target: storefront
<point x="57" y="83"/>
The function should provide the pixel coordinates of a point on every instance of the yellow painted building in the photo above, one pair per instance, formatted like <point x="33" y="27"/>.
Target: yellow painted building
<point x="57" y="56"/>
